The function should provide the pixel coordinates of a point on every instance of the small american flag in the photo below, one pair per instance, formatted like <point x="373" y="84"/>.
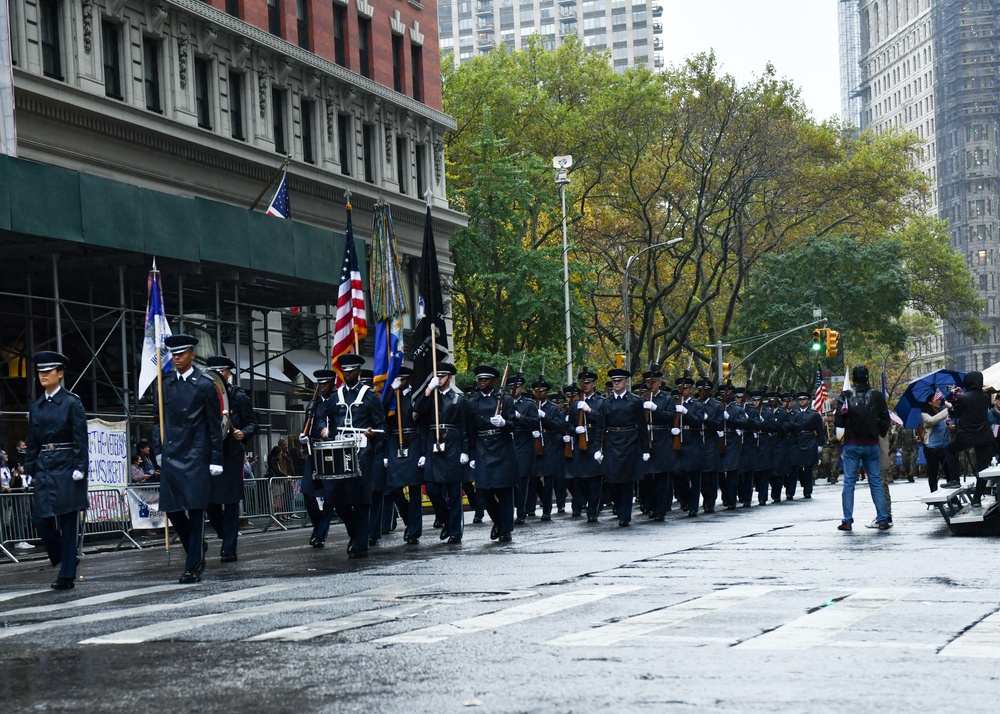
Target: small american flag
<point x="280" y="206"/>
<point x="821" y="398"/>
<point x="351" y="319"/>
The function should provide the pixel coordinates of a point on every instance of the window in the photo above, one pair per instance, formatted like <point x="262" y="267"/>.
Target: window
<point x="397" y="63"/>
<point x="368" y="145"/>
<point x="345" y="139"/>
<point x="151" y="74"/>
<point x="236" y="105"/>
<point x="308" y="148"/>
<point x="111" y="41"/>
<point x="981" y="257"/>
<point x="48" y="21"/>
<point x="233" y="7"/>
<point x="422" y="168"/>
<point x="202" y="98"/>
<point x="339" y="34"/>
<point x="364" y="46"/>
<point x="402" y="164"/>
<point x="984" y="282"/>
<point x="302" y="19"/>
<point x="417" y="68"/>
<point x="273" y="17"/>
<point x="278" y="119"/>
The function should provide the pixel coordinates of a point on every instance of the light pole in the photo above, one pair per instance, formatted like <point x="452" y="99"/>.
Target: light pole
<point x="625" y="300"/>
<point x="561" y="164"/>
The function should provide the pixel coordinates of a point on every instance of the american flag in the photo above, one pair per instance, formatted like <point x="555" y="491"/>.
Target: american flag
<point x="351" y="321"/>
<point x="820" y="400"/>
<point x="280" y="206"/>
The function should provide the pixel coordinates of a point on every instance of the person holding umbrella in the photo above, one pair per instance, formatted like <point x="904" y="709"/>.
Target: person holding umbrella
<point x="935" y="440"/>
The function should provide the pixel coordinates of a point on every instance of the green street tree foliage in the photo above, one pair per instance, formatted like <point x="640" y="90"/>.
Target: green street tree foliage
<point x="738" y="173"/>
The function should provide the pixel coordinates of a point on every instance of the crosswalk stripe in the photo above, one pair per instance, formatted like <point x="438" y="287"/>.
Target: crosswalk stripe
<point x="301" y="633"/>
<point x="234" y="596"/>
<point x="980" y="640"/>
<point x="94" y="600"/>
<point x="658" y="619"/>
<point x="822" y="625"/>
<point x="23" y="593"/>
<point x="146" y="633"/>
<point x="510" y="616"/>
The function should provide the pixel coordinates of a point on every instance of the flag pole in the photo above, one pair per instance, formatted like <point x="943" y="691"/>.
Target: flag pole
<point x="284" y="165"/>
<point x="159" y="402"/>
<point x="429" y="198"/>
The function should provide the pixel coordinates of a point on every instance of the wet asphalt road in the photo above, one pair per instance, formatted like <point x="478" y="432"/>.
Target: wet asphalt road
<point x="766" y="609"/>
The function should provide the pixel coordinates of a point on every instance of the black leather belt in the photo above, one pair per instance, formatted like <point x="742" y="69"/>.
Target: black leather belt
<point x="661" y="428"/>
<point x="410" y="431"/>
<point x="56" y="447"/>
<point x="444" y="426"/>
<point x="620" y="429"/>
<point x="491" y="432"/>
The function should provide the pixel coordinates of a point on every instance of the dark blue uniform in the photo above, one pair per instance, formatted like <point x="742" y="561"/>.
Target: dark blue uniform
<point x="525" y="422"/>
<point x="314" y="489"/>
<point x="663" y="459"/>
<point x="585" y="472"/>
<point x="808" y="436"/>
<point x="692" y="454"/>
<point x="492" y="449"/>
<point x="765" y="450"/>
<point x="56" y="447"/>
<point x="551" y="463"/>
<point x="780" y="471"/>
<point x="226" y="491"/>
<point x="735" y="424"/>
<point x="444" y="471"/>
<point x="749" y="454"/>
<point x="712" y="445"/>
<point x="403" y="476"/>
<point x="624" y="439"/>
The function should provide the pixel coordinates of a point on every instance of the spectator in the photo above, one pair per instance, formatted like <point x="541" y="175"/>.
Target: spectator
<point x="936" y="440"/>
<point x="277" y="468"/>
<point x="136" y="472"/>
<point x="972" y="429"/>
<point x="861" y="418"/>
<point x="148" y="463"/>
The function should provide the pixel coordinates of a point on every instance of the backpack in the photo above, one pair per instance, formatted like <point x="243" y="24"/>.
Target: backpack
<point x="861" y="417"/>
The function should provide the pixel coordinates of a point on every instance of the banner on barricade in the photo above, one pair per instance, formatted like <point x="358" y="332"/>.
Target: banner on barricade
<point x="105" y="506"/>
<point x="108" y="450"/>
<point x="144" y="508"/>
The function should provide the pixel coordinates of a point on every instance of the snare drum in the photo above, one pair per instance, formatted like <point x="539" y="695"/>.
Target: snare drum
<point x="336" y="459"/>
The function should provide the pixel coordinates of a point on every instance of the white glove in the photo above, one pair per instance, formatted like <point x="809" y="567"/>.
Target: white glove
<point x="536" y="434"/>
<point x="396" y="384"/>
<point x="385" y="462"/>
<point x="645" y="457"/>
<point x="704" y="417"/>
<point x="421" y="461"/>
<point x="840" y="433"/>
<point x="681" y="409"/>
<point x="739" y="432"/>
<point x="651" y="406"/>
<point x="325" y="433"/>
<point x="215" y="470"/>
<point x="819" y="449"/>
<point x="720" y="434"/>
<point x="567" y="438"/>
<point x="472" y="464"/>
<point x="463" y="459"/>
<point x="433" y="384"/>
<point x="675" y="431"/>
<point x="517" y="414"/>
<point x="598" y="456"/>
<point x="78" y="475"/>
<point x="303" y="439"/>
<point x="725" y="416"/>
<point x="583" y="406"/>
<point x="498" y="421"/>
<point x="581" y="430"/>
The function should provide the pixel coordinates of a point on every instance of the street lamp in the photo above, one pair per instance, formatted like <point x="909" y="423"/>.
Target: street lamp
<point x="561" y="164"/>
<point x="625" y="299"/>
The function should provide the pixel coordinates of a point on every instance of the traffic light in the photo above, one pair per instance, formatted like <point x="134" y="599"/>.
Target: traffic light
<point x="726" y="368"/>
<point x="817" y="343"/>
<point x="832" y="346"/>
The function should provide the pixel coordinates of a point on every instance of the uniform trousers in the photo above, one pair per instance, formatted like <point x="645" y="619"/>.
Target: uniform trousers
<point x="357" y="520"/>
<point x="709" y="489"/>
<point x="624" y="495"/>
<point x="375" y="517"/>
<point x="730" y="488"/>
<point x="59" y="534"/>
<point x="663" y="493"/>
<point x="190" y="527"/>
<point x="475" y="499"/>
<point x="449" y="499"/>
<point x="499" y="504"/>
<point x="590" y="495"/>
<point x="777" y="481"/>
<point x="225" y="520"/>
<point x="541" y="487"/>
<point x="761" y="480"/>
<point x="744" y="487"/>
<point x="805" y="476"/>
<point x="410" y="505"/>
<point x="791" y="481"/>
<point x="694" y="491"/>
<point x="319" y="516"/>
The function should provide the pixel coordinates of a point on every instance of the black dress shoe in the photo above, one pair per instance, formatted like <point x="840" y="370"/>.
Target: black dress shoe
<point x="63" y="584"/>
<point x="437" y="523"/>
<point x="505" y="537"/>
<point x="808" y="495"/>
<point x="591" y="519"/>
<point x="692" y="514"/>
<point x="494" y="532"/>
<point x="731" y="507"/>
<point x="199" y="568"/>
<point x="189" y="577"/>
<point x="623" y="524"/>
<point x="477" y="519"/>
<point x="350" y="545"/>
<point x="561" y="510"/>
<point x="443" y="535"/>
<point x="659" y="519"/>
<point x="318" y="543"/>
<point x="372" y="542"/>
<point x="358" y="554"/>
<point x="518" y="521"/>
<point x="412" y="540"/>
<point x="746" y="504"/>
<point x="576" y="515"/>
<point x="229" y="558"/>
<point x="454" y="540"/>
<point x="545" y="517"/>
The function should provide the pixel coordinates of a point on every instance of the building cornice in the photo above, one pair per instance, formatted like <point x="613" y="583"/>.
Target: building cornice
<point x="199" y="9"/>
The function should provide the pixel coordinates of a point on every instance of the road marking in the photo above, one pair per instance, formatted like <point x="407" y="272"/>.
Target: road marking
<point x="822" y="625"/>
<point x="95" y="600"/>
<point x="234" y="596"/>
<point x="510" y="616"/>
<point x="658" y="619"/>
<point x="980" y="640"/>
<point x="301" y="633"/>
<point x="23" y="593"/>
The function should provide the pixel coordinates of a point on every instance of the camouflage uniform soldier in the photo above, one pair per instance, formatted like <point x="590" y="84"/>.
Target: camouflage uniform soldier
<point x="829" y="461"/>
<point x="908" y="445"/>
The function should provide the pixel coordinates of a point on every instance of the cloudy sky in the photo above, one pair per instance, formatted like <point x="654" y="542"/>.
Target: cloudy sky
<point x="799" y="37"/>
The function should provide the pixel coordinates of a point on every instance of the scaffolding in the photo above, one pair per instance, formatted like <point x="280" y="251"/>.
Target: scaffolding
<point x="849" y="26"/>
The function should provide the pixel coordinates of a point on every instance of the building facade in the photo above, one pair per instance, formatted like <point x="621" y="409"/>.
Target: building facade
<point x="930" y="66"/>
<point x="147" y="128"/>
<point x="632" y="30"/>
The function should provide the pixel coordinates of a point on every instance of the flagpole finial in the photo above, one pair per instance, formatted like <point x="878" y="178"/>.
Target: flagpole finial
<point x="154" y="265"/>
<point x="429" y="197"/>
<point x="347" y="198"/>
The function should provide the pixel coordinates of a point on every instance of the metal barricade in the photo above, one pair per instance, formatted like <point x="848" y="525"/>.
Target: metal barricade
<point x="287" y="503"/>
<point x="108" y="515"/>
<point x="257" y="501"/>
<point x="16" y="528"/>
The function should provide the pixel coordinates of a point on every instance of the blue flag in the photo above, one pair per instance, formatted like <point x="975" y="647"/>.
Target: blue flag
<point x="157" y="330"/>
<point x="280" y="205"/>
<point x="388" y="355"/>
